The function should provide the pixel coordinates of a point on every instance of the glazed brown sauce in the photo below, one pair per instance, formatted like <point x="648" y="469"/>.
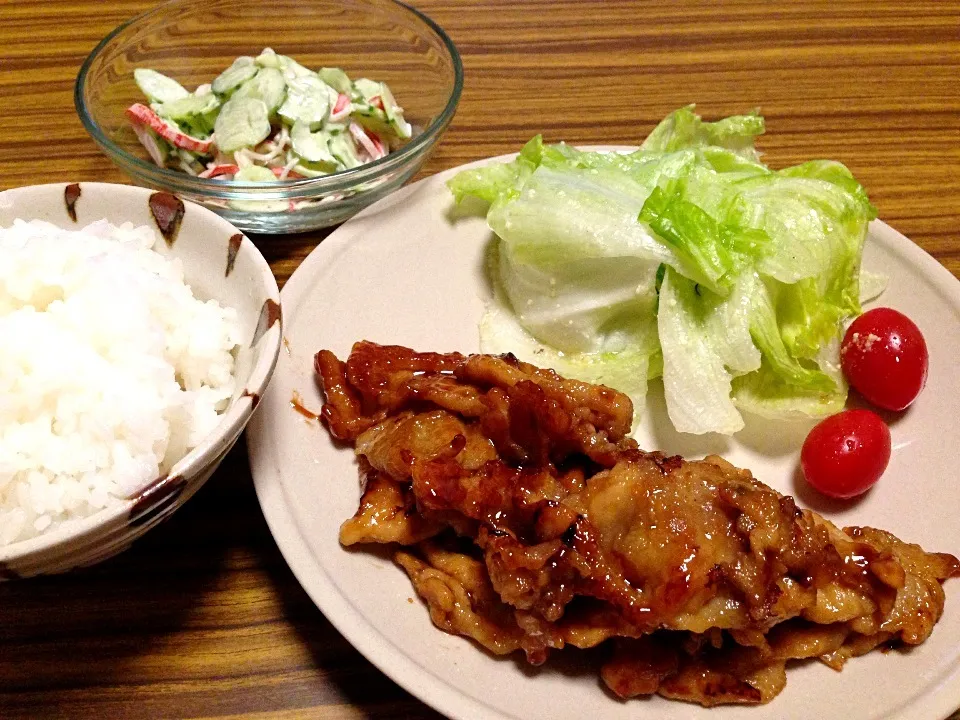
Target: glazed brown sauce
<point x="296" y="402"/>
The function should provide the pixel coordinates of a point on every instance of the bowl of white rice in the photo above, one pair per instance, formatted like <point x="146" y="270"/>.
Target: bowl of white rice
<point x="139" y="333"/>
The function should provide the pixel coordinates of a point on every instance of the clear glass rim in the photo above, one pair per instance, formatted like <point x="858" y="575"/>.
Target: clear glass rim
<point x="342" y="181"/>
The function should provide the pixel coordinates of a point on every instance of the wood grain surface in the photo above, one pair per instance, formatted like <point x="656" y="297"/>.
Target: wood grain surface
<point x="202" y="618"/>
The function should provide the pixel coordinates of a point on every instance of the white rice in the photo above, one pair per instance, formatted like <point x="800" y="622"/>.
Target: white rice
<point x="110" y="370"/>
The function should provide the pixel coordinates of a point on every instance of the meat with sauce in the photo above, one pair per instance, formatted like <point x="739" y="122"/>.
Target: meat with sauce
<point x="528" y="520"/>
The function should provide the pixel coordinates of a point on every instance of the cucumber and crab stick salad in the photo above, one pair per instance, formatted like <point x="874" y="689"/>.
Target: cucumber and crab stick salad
<point x="267" y="118"/>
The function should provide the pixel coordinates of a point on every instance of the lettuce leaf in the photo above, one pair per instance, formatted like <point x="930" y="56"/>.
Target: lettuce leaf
<point x="688" y="257"/>
<point x="626" y="369"/>
<point x="706" y="342"/>
<point x="683" y="128"/>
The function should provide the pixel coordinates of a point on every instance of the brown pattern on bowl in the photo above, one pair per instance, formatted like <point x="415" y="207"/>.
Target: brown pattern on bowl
<point x="233" y="247"/>
<point x="269" y="316"/>
<point x="71" y="193"/>
<point x="167" y="211"/>
<point x="201" y="240"/>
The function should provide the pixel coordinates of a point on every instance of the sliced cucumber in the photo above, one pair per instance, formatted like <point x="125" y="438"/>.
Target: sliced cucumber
<point x="242" y="69"/>
<point x="256" y="96"/>
<point x="199" y="126"/>
<point x="373" y="118"/>
<point x="344" y="150"/>
<point x="308" y="101"/>
<point x="267" y="85"/>
<point x="165" y="148"/>
<point x="242" y="122"/>
<point x="402" y="129"/>
<point x="394" y="113"/>
<point x="390" y="107"/>
<point x="196" y="126"/>
<point x="268" y="59"/>
<point x="255" y="173"/>
<point x="389" y="121"/>
<point x="312" y="147"/>
<point x="158" y="87"/>
<point x="365" y="89"/>
<point x="202" y="125"/>
<point x="191" y="159"/>
<point x="335" y="78"/>
<point x="186" y="107"/>
<point x="292" y="69"/>
<point x="311" y="170"/>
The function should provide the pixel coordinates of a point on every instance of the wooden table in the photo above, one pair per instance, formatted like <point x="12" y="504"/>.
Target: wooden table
<point x="202" y="618"/>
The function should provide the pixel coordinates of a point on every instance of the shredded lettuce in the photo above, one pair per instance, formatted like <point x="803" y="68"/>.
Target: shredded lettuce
<point x="688" y="257"/>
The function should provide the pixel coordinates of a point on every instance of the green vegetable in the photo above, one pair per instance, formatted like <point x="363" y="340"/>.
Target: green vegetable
<point x="292" y="69"/>
<point x="158" y="87"/>
<point x="267" y="85"/>
<point x="269" y="59"/>
<point x="196" y="113"/>
<point x="365" y="89"/>
<point x="288" y="67"/>
<point x="746" y="273"/>
<point x="335" y="78"/>
<point x="372" y="118"/>
<point x="394" y="113"/>
<point x="308" y="101"/>
<point x="683" y="128"/>
<point x="242" y="122"/>
<point x="344" y="150"/>
<point x="242" y="69"/>
<point x="706" y="341"/>
<point x="272" y="98"/>
<point x="312" y="147"/>
<point x="626" y="369"/>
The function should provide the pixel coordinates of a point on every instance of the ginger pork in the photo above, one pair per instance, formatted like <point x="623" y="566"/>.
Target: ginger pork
<point x="528" y="520"/>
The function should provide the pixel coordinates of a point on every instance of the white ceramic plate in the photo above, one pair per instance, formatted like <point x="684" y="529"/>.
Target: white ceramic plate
<point x="409" y="270"/>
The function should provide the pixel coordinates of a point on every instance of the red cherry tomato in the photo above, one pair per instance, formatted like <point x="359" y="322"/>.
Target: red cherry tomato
<point x="844" y="455"/>
<point x="884" y="356"/>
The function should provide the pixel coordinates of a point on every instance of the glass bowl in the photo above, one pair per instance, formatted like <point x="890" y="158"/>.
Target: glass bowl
<point x="194" y="41"/>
